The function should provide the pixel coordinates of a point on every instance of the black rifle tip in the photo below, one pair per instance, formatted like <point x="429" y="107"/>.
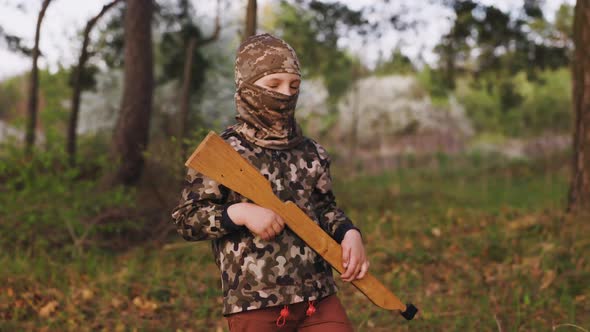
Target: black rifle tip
<point x="410" y="312"/>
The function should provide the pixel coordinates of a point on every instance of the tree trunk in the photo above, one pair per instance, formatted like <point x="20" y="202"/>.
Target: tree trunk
<point x="354" y="124"/>
<point x="73" y="124"/>
<point x="579" y="194"/>
<point x="450" y="63"/>
<point x="185" y="93"/>
<point x="132" y="129"/>
<point x="250" y="19"/>
<point x="34" y="85"/>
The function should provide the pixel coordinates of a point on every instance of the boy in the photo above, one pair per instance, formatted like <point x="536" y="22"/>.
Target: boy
<point x="270" y="278"/>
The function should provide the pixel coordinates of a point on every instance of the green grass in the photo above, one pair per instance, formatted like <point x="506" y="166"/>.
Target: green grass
<point x="476" y="247"/>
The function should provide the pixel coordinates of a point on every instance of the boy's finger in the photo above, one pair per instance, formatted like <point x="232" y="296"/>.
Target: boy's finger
<point x="281" y="223"/>
<point x="280" y="220"/>
<point x="268" y="234"/>
<point x="357" y="270"/>
<point x="364" y="269"/>
<point x="346" y="275"/>
<point x="276" y="227"/>
<point x="347" y="272"/>
<point x="345" y="257"/>
<point x="350" y="271"/>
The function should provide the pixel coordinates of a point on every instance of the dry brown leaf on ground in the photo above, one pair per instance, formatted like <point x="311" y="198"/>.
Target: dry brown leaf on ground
<point x="120" y="327"/>
<point x="116" y="302"/>
<point x="145" y="304"/>
<point x="436" y="232"/>
<point x="48" y="309"/>
<point x="432" y="288"/>
<point x="524" y="222"/>
<point x="548" y="278"/>
<point x="408" y="245"/>
<point x="86" y="294"/>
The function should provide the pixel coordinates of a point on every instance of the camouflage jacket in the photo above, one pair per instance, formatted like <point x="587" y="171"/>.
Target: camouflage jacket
<point x="256" y="273"/>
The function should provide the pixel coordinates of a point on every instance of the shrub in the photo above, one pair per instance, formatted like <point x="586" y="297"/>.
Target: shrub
<point x="517" y="106"/>
<point x="45" y="204"/>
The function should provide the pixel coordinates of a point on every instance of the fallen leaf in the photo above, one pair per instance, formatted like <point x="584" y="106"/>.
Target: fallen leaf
<point x="524" y="222"/>
<point x="19" y="303"/>
<point x="436" y="232"/>
<point x="146" y="305"/>
<point x="548" y="278"/>
<point x="449" y="213"/>
<point x="116" y="303"/>
<point x="432" y="288"/>
<point x="531" y="262"/>
<point x="120" y="327"/>
<point x="547" y="246"/>
<point x="408" y="245"/>
<point x="86" y="294"/>
<point x="48" y="309"/>
<point x="54" y="293"/>
<point x="137" y="301"/>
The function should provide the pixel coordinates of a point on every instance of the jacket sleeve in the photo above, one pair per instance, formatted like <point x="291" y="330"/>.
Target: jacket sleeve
<point x="202" y="211"/>
<point x="332" y="218"/>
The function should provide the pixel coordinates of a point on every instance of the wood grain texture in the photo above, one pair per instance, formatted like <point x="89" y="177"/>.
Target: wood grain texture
<point x="219" y="161"/>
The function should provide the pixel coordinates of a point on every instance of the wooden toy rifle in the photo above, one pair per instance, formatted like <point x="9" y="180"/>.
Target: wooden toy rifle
<point x="218" y="160"/>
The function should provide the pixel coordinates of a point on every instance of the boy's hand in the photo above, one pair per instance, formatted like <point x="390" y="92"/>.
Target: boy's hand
<point x="354" y="259"/>
<point x="259" y="220"/>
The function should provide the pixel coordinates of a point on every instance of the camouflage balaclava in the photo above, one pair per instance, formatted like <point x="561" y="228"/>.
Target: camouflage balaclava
<point x="265" y="118"/>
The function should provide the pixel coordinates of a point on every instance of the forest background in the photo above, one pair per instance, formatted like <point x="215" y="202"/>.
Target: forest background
<point x="458" y="132"/>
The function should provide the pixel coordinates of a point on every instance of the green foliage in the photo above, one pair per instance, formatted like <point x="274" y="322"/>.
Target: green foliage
<point x="171" y="154"/>
<point x="564" y="20"/>
<point x="54" y="104"/>
<point x="54" y="111"/>
<point x="483" y="108"/>
<point x="547" y="103"/>
<point x="433" y="82"/>
<point x="502" y="42"/>
<point x="87" y="77"/>
<point x="10" y="95"/>
<point x="313" y="33"/>
<point x="517" y="82"/>
<point x="398" y="63"/>
<point x="172" y="55"/>
<point x="517" y="106"/>
<point x="13" y="43"/>
<point x="45" y="205"/>
<point x="180" y="28"/>
<point x="111" y="40"/>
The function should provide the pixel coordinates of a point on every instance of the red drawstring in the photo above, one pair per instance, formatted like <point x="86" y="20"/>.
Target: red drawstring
<point x="310" y="310"/>
<point x="283" y="317"/>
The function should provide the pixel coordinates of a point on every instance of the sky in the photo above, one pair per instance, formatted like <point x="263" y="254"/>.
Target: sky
<point x="66" y="18"/>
